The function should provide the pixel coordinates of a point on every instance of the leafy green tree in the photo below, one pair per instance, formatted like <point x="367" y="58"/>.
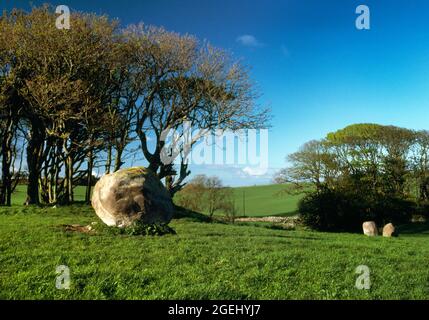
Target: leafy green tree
<point x="10" y="112"/>
<point x="420" y="165"/>
<point x="359" y="172"/>
<point x="313" y="164"/>
<point x="65" y="83"/>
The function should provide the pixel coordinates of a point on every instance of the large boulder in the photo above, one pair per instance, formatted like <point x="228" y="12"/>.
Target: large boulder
<point x="370" y="228"/>
<point x="389" y="230"/>
<point x="132" y="194"/>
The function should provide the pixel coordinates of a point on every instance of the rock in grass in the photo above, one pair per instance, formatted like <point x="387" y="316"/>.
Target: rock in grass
<point x="370" y="228"/>
<point x="78" y="228"/>
<point x="389" y="230"/>
<point x="130" y="195"/>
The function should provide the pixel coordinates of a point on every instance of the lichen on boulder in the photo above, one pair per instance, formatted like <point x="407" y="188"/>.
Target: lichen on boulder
<point x="129" y="195"/>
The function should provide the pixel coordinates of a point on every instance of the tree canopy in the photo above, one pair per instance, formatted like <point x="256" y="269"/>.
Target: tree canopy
<point x="76" y="99"/>
<point x="363" y="171"/>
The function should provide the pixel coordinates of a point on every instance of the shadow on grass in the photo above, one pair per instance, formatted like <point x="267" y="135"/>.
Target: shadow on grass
<point x="294" y="236"/>
<point x="182" y="213"/>
<point x="79" y="208"/>
<point x="414" y="228"/>
<point x="287" y="214"/>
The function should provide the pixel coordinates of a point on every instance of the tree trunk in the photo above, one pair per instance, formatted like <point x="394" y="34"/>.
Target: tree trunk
<point x="174" y="183"/>
<point x="6" y="186"/>
<point x="56" y="174"/>
<point x="118" y="159"/>
<point x="7" y="154"/>
<point x="34" y="148"/>
<point x="109" y="159"/>
<point x="89" y="177"/>
<point x="69" y="177"/>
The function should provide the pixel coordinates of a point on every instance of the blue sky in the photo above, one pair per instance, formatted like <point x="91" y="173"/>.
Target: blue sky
<point x="316" y="71"/>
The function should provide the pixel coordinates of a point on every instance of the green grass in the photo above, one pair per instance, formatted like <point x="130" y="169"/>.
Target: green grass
<point x="266" y="200"/>
<point x="20" y="194"/>
<point x="203" y="261"/>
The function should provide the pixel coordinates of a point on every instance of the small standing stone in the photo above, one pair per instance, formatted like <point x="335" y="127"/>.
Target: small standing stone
<point x="389" y="230"/>
<point x="370" y="228"/>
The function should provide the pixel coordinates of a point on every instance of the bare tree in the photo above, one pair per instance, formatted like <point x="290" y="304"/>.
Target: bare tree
<point x="88" y="92"/>
<point x="208" y="194"/>
<point x="186" y="82"/>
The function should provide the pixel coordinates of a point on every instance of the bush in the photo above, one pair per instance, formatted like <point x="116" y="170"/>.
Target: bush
<point x="422" y="209"/>
<point x="191" y="196"/>
<point x="138" y="229"/>
<point x="335" y="210"/>
<point x="149" y="229"/>
<point x="329" y="210"/>
<point x="393" y="209"/>
<point x="209" y="195"/>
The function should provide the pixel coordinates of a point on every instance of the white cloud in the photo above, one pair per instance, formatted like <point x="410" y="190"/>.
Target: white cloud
<point x="255" y="171"/>
<point x="249" y="41"/>
<point x="232" y="175"/>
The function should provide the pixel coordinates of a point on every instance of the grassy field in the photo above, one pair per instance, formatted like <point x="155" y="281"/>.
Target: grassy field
<point x="20" y="194"/>
<point x="203" y="261"/>
<point x="267" y="200"/>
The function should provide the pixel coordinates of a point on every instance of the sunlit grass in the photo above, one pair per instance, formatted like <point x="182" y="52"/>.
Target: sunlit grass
<point x="203" y="261"/>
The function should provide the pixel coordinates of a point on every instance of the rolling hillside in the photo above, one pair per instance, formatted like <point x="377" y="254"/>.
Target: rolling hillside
<point x="266" y="200"/>
<point x="255" y="201"/>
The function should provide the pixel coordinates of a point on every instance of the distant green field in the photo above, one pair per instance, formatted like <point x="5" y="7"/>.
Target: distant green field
<point x="266" y="200"/>
<point x="20" y="194"/>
